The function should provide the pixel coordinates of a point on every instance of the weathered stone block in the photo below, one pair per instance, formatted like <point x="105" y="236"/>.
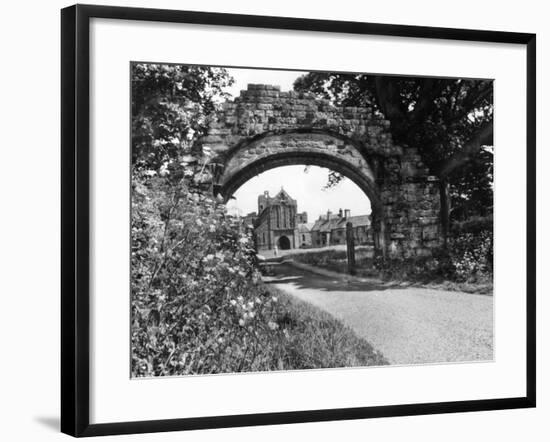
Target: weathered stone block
<point x="430" y="232"/>
<point x="397" y="236"/>
<point x="426" y="220"/>
<point x="423" y="252"/>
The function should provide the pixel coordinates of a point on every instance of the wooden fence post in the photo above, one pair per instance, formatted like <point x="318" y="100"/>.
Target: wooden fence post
<point x="350" y="244"/>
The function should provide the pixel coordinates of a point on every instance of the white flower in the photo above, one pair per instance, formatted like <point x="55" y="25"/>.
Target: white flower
<point x="274" y="298"/>
<point x="252" y="314"/>
<point x="233" y="302"/>
<point x="189" y="134"/>
<point x="199" y="222"/>
<point x="258" y="301"/>
<point x="241" y="322"/>
<point x="272" y="325"/>
<point x="164" y="170"/>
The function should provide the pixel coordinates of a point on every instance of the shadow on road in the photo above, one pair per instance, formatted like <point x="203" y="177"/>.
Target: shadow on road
<point x="287" y="274"/>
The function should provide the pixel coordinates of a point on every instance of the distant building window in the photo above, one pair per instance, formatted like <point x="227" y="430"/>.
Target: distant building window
<point x="303" y="237"/>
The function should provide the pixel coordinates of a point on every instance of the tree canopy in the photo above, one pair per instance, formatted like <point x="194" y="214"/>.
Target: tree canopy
<point x="449" y="120"/>
<point x="171" y="107"/>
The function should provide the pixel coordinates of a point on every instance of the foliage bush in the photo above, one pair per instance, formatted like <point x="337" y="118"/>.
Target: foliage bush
<point x="192" y="279"/>
<point x="471" y="255"/>
<point x="172" y="106"/>
<point x="468" y="258"/>
<point x="199" y="305"/>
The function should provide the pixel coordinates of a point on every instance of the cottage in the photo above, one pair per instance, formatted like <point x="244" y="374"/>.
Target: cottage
<point x="331" y="229"/>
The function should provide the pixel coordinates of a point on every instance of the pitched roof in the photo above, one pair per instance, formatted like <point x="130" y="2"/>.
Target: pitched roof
<point x="317" y="224"/>
<point x="332" y="223"/>
<point x="304" y="227"/>
<point x="325" y="225"/>
<point x="360" y="220"/>
<point x="337" y="222"/>
<point x="282" y="195"/>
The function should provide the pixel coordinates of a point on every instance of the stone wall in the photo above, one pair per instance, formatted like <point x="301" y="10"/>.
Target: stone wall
<point x="302" y="238"/>
<point x="266" y="128"/>
<point x="265" y="109"/>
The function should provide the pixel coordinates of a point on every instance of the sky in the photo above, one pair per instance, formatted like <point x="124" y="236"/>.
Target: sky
<point x="306" y="188"/>
<point x="242" y="77"/>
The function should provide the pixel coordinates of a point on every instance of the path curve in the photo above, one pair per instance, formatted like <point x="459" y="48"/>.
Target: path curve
<point x="407" y="325"/>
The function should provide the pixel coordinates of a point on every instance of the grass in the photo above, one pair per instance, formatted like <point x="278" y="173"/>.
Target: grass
<point x="285" y="334"/>
<point x="311" y="338"/>
<point x="482" y="286"/>
<point x="336" y="260"/>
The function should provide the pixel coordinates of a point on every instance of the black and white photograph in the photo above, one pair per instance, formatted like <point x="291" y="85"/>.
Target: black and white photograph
<point x="275" y="221"/>
<point x="295" y="220"/>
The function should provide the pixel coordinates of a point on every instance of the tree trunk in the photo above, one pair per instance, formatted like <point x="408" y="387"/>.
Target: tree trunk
<point x="482" y="137"/>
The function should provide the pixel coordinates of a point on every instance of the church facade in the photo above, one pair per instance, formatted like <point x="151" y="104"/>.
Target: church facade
<point x="279" y="224"/>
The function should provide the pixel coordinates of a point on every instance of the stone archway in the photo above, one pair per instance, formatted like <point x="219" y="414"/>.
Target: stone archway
<point x="266" y="128"/>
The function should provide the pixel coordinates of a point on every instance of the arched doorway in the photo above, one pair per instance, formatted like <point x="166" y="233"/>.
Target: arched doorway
<point x="283" y="243"/>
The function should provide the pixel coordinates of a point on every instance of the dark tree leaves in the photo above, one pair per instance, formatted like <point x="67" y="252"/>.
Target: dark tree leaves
<point x="448" y="120"/>
<point x="171" y="107"/>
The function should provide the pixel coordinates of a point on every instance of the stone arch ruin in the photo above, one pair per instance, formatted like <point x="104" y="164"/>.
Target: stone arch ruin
<point x="265" y="128"/>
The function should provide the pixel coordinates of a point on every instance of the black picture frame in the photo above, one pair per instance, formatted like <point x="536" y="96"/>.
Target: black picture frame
<point x="75" y="225"/>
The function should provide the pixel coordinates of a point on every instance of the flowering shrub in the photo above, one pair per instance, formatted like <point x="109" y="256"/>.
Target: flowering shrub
<point x="195" y="289"/>
<point x="472" y="255"/>
<point x="468" y="258"/>
<point x="199" y="305"/>
<point x="198" y="302"/>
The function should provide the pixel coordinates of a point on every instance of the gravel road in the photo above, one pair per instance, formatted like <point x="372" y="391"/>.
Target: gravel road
<point x="407" y="325"/>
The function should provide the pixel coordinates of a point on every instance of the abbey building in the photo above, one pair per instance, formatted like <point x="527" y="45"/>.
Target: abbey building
<point x="279" y="225"/>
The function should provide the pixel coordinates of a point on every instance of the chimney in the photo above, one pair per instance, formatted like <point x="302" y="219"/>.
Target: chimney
<point x="328" y="214"/>
<point x="340" y="213"/>
<point x="266" y="193"/>
<point x="347" y="213"/>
